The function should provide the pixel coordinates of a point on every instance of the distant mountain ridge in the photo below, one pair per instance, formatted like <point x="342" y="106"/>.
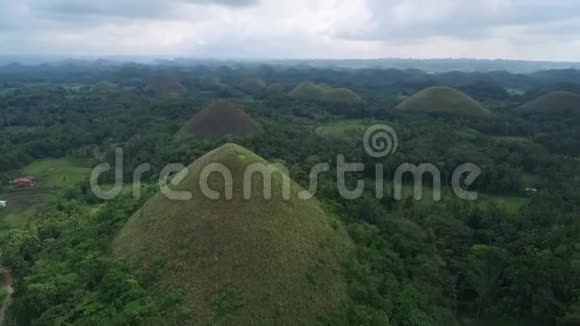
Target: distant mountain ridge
<point x="428" y="65"/>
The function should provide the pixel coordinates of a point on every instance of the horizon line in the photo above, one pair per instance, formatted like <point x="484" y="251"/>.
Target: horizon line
<point x="224" y="58"/>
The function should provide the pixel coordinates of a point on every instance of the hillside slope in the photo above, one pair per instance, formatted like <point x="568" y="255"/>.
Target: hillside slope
<point x="240" y="262"/>
<point x="165" y="84"/>
<point x="558" y="102"/>
<point x="220" y="119"/>
<point x="443" y="100"/>
<point x="309" y="91"/>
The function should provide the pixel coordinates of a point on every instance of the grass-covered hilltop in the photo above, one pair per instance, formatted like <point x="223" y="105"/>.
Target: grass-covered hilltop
<point x="310" y="91"/>
<point x="253" y="85"/>
<point x="444" y="100"/>
<point x="557" y="102"/>
<point x="239" y="261"/>
<point x="221" y="118"/>
<point x="165" y="84"/>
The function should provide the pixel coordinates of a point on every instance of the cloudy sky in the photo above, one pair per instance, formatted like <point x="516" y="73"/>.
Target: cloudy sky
<point x="515" y="29"/>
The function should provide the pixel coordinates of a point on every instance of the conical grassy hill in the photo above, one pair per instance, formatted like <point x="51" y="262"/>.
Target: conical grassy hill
<point x="165" y="84"/>
<point x="220" y="119"/>
<point x="240" y="261"/>
<point x="309" y="91"/>
<point x="558" y="102"/>
<point x="443" y="100"/>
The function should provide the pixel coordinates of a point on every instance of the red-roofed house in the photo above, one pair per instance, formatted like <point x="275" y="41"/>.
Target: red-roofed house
<point x="23" y="182"/>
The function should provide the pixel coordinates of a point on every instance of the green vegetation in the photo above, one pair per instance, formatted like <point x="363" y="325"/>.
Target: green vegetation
<point x="238" y="260"/>
<point x="558" y="102"/>
<point x="509" y="258"/>
<point x="443" y="100"/>
<point x="61" y="264"/>
<point x="220" y="119"/>
<point x="105" y="88"/>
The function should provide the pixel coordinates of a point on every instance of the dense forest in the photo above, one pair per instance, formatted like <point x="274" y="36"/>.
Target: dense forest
<point x="512" y="257"/>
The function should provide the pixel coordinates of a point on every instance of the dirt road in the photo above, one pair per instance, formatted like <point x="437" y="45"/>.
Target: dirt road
<point x="7" y="284"/>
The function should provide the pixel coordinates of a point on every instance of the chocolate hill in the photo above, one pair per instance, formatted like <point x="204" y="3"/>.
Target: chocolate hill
<point x="558" y="102"/>
<point x="220" y="119"/>
<point x="239" y="261"/>
<point x="443" y="100"/>
<point x="165" y="84"/>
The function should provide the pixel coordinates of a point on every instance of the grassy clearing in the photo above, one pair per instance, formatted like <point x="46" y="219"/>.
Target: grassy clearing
<point x="51" y="176"/>
<point x="343" y="127"/>
<point x="57" y="173"/>
<point x="512" y="204"/>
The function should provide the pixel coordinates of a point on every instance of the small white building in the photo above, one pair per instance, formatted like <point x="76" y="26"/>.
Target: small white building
<point x="3" y="203"/>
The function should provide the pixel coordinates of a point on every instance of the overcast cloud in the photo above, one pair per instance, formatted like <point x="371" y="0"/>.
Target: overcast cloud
<point x="517" y="29"/>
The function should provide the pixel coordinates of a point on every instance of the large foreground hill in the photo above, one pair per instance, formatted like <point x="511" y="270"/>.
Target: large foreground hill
<point x="239" y="261"/>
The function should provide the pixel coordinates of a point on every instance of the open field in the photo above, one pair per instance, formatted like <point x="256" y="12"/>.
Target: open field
<point x="512" y="204"/>
<point x="343" y="127"/>
<point x="51" y="176"/>
<point x="57" y="173"/>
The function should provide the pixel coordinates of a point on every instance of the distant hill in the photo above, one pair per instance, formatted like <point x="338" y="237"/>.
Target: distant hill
<point x="557" y="102"/>
<point x="310" y="91"/>
<point x="220" y="119"/>
<point x="443" y="100"/>
<point x="240" y="261"/>
<point x="253" y="85"/>
<point x="433" y="65"/>
<point x="164" y="84"/>
<point x="210" y="83"/>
